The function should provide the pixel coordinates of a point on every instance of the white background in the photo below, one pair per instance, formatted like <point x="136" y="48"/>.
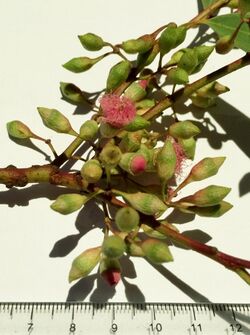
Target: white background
<point x="38" y="36"/>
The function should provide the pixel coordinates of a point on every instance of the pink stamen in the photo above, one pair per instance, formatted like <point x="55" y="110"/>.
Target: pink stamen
<point x="180" y="157"/>
<point x="117" y="110"/>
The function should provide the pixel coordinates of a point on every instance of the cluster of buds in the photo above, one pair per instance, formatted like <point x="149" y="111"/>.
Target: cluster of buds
<point x="131" y="165"/>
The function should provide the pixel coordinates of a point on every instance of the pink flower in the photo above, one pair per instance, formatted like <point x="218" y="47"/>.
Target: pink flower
<point x="117" y="110"/>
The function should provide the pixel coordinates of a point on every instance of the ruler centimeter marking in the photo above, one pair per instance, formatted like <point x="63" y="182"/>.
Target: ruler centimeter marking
<point x="73" y="318"/>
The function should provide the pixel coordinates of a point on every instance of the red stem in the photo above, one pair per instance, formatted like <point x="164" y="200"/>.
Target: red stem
<point x="209" y="251"/>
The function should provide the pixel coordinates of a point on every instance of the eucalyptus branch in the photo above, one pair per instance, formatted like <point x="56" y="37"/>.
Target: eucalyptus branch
<point x="20" y="177"/>
<point x="126" y="151"/>
<point x="206" y="13"/>
<point x="185" y="92"/>
<point x="235" y="264"/>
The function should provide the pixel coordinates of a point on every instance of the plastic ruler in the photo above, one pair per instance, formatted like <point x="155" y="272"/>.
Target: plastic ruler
<point x="123" y="318"/>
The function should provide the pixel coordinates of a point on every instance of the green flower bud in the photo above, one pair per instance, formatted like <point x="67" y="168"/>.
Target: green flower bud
<point x="203" y="52"/>
<point x="113" y="246"/>
<point x="211" y="211"/>
<point x="171" y="37"/>
<point x="145" y="104"/>
<point x="209" y="196"/>
<point x="118" y="74"/>
<point x="183" y="129"/>
<point x="92" y="171"/>
<point x="56" y="121"/>
<point x="178" y="76"/>
<point x="84" y="263"/>
<point x="149" y="156"/>
<point x="81" y="64"/>
<point x="212" y="90"/>
<point x="181" y="32"/>
<point x="131" y="141"/>
<point x="110" y="155"/>
<point x="188" y="61"/>
<point x="224" y="44"/>
<point x="233" y="4"/>
<point x="141" y="44"/>
<point x="202" y="102"/>
<point x="135" y="92"/>
<point x="110" y="270"/>
<point x="156" y="251"/>
<point x="175" y="58"/>
<point x="72" y="93"/>
<point x="152" y="232"/>
<point x="188" y="145"/>
<point x="133" y="163"/>
<point x="135" y="250"/>
<point x="107" y="131"/>
<point x="88" y="130"/>
<point x="91" y="42"/>
<point x="138" y="123"/>
<point x="68" y="203"/>
<point x="206" y="168"/>
<point x="166" y="162"/>
<point x="146" y="58"/>
<point x="145" y="203"/>
<point x="18" y="129"/>
<point x="127" y="219"/>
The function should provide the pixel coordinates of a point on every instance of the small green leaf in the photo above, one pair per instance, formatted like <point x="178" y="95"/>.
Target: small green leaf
<point x="227" y="24"/>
